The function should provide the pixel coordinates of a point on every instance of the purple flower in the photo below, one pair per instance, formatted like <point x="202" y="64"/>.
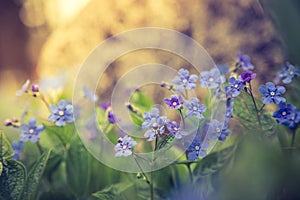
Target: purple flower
<point x="287" y="73"/>
<point x="35" y="88"/>
<point x="184" y="80"/>
<point x="112" y="117"/>
<point x="211" y="79"/>
<point x="235" y="87"/>
<point x="175" y="101"/>
<point x="24" y="88"/>
<point x="31" y="131"/>
<point x="17" y="147"/>
<point x="272" y="93"/>
<point x="175" y="129"/>
<point x="247" y="76"/>
<point x="288" y="115"/>
<point x="90" y="94"/>
<point x="62" y="113"/>
<point x="217" y="130"/>
<point x="196" y="148"/>
<point x="155" y="123"/>
<point x="244" y="62"/>
<point x="195" y="108"/>
<point x="124" y="146"/>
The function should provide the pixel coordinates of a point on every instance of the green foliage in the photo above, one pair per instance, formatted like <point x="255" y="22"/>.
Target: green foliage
<point x="245" y="111"/>
<point x="6" y="151"/>
<point x="60" y="135"/>
<point x="78" y="167"/>
<point x="35" y="175"/>
<point x="165" y="141"/>
<point x="12" y="180"/>
<point x="213" y="162"/>
<point x="113" y="192"/>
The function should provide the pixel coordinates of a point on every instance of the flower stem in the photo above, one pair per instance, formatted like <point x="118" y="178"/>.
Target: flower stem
<point x="139" y="166"/>
<point x="39" y="147"/>
<point x="293" y="139"/>
<point x="255" y="106"/>
<point x="182" y="118"/>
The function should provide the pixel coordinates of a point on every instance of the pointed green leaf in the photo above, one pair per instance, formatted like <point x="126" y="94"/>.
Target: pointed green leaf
<point x="6" y="150"/>
<point x="78" y="167"/>
<point x="34" y="176"/>
<point x="213" y="162"/>
<point x="12" y="180"/>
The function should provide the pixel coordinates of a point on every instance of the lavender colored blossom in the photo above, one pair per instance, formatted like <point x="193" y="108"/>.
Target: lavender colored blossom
<point x="244" y="62"/>
<point x="185" y="80"/>
<point x="34" y="88"/>
<point x="287" y="73"/>
<point x="24" y="88"/>
<point x="288" y="115"/>
<point x="30" y="131"/>
<point x="174" y="102"/>
<point x="89" y="94"/>
<point x="124" y="146"/>
<point x="175" y="129"/>
<point x="105" y="105"/>
<point x="247" y="76"/>
<point x="195" y="108"/>
<point x="112" y="117"/>
<point x="235" y="87"/>
<point x="62" y="113"/>
<point x="196" y="148"/>
<point x="211" y="79"/>
<point x="155" y="122"/>
<point x="17" y="147"/>
<point x="272" y="93"/>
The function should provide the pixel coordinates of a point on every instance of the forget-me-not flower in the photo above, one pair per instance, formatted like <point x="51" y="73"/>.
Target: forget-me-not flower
<point x="62" y="113"/>
<point x="211" y="79"/>
<point x="184" y="80"/>
<point x="194" y="108"/>
<point x="287" y="73"/>
<point x="17" y="147"/>
<point x="196" y="148"/>
<point x="272" y="93"/>
<point x="244" y="61"/>
<point x="30" y="131"/>
<point x="235" y="87"/>
<point x="288" y="115"/>
<point x="174" y="102"/>
<point x="247" y="76"/>
<point x="175" y="129"/>
<point x="124" y="146"/>
<point x="155" y="122"/>
<point x="217" y="130"/>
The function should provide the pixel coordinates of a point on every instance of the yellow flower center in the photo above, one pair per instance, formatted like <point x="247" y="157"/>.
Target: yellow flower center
<point x="291" y="73"/>
<point x="175" y="129"/>
<point x="61" y="113"/>
<point x="236" y="85"/>
<point x="31" y="131"/>
<point x="197" y="148"/>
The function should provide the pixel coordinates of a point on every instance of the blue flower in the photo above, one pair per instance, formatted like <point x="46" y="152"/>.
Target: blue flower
<point x="155" y="123"/>
<point x="196" y="148"/>
<point x="175" y="101"/>
<point x="288" y="115"/>
<point x="195" y="108"/>
<point x="62" y="113"/>
<point x="90" y="94"/>
<point x="287" y="73"/>
<point x="247" y="76"/>
<point x="17" y="147"/>
<point x="175" y="129"/>
<point x="217" y="130"/>
<point x="272" y="93"/>
<point x="184" y="80"/>
<point x="235" y="87"/>
<point x="124" y="146"/>
<point x="244" y="62"/>
<point x="211" y="79"/>
<point x="31" y="131"/>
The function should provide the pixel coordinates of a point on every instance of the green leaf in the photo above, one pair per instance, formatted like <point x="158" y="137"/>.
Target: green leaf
<point x="213" y="162"/>
<point x="34" y="176"/>
<point x="6" y="151"/>
<point x="244" y="110"/>
<point x="113" y="192"/>
<point x="164" y="141"/>
<point x="143" y="102"/>
<point x="60" y="135"/>
<point x="78" y="167"/>
<point x="12" y="180"/>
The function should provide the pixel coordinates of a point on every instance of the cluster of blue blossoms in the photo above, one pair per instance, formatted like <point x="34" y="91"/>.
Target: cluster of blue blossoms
<point x="158" y="126"/>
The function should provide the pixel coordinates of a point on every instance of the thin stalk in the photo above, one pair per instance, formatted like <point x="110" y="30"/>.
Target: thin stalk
<point x="182" y="117"/>
<point x="139" y="166"/>
<point x="262" y="107"/>
<point x="293" y="139"/>
<point x="39" y="147"/>
<point x="255" y="106"/>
